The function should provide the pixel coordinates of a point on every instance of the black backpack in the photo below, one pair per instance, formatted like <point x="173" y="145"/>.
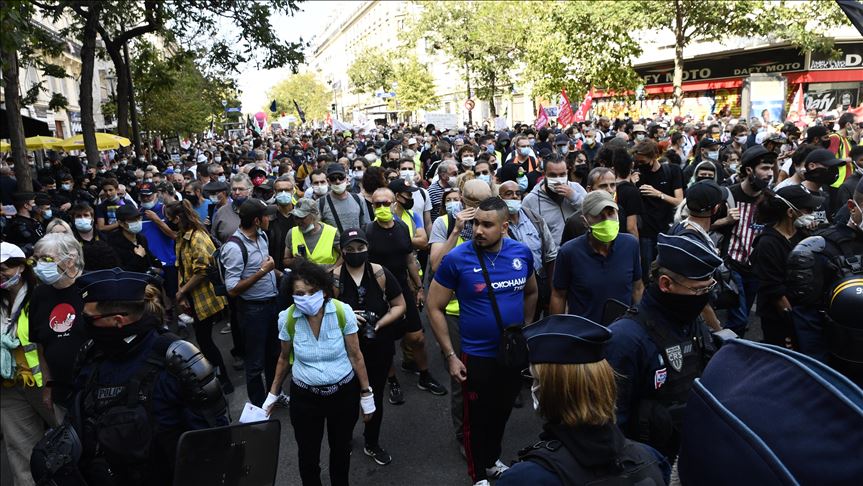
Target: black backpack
<point x="216" y="270"/>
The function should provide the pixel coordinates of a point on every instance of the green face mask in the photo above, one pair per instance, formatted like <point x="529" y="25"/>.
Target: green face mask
<point x="384" y="214"/>
<point x="606" y="231"/>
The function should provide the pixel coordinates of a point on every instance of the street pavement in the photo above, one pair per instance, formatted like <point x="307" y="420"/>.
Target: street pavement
<point x="418" y="434"/>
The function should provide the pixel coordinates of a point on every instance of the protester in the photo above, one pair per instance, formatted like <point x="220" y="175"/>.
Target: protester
<point x="556" y="198"/>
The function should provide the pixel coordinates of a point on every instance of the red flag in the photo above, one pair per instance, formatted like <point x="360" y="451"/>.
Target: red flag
<point x="797" y="109"/>
<point x="329" y="120"/>
<point x="581" y="114"/>
<point x="564" y="114"/>
<point x="541" y="118"/>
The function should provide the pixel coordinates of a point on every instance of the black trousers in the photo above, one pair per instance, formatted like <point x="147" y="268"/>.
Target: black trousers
<point x="488" y="395"/>
<point x="309" y="413"/>
<point x="378" y="356"/>
<point x="204" y="336"/>
<point x="239" y="349"/>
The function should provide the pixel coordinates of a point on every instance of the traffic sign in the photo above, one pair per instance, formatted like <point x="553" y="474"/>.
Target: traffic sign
<point x="469" y="104"/>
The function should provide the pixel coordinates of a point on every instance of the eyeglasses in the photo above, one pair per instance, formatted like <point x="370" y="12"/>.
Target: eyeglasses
<point x="380" y="204"/>
<point x="336" y="178"/>
<point x="700" y="290"/>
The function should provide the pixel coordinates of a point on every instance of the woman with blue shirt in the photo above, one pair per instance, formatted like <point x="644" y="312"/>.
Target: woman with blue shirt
<point x="319" y="342"/>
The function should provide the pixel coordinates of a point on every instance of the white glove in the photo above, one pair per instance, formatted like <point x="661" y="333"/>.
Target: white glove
<point x="368" y="404"/>
<point x="271" y="399"/>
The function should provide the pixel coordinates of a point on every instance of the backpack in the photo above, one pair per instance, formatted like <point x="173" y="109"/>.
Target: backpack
<point x="216" y="270"/>
<point x="338" y="221"/>
<point x="291" y="323"/>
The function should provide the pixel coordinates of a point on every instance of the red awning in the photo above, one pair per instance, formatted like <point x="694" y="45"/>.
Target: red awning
<point x="697" y="85"/>
<point x="834" y="76"/>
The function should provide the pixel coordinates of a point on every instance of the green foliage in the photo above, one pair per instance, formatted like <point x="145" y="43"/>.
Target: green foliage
<point x="371" y="70"/>
<point x="415" y="88"/>
<point x="312" y="96"/>
<point x="58" y="102"/>
<point x="804" y="24"/>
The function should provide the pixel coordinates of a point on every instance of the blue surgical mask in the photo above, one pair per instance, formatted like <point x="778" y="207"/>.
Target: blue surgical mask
<point x="513" y="205"/>
<point x="490" y="148"/>
<point x="309" y="304"/>
<point x="148" y="205"/>
<point x="47" y="272"/>
<point x="11" y="281"/>
<point x="47" y="214"/>
<point x="453" y="208"/>
<point x="284" y="198"/>
<point x="83" y="225"/>
<point x="522" y="183"/>
<point x="485" y="178"/>
<point x="136" y="226"/>
<point x="524" y="151"/>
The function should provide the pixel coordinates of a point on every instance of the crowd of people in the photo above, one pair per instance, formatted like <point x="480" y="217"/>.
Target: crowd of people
<point x="627" y="249"/>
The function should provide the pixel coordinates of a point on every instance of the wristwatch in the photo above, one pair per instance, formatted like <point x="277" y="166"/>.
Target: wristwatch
<point x="366" y="390"/>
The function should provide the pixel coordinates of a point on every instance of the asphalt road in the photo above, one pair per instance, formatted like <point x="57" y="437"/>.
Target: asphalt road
<point x="418" y="434"/>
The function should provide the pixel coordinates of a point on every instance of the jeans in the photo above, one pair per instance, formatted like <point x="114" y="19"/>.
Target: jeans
<point x="747" y="285"/>
<point x="647" y="245"/>
<point x="309" y="413"/>
<point x="488" y="395"/>
<point x="378" y="356"/>
<point x="258" y="320"/>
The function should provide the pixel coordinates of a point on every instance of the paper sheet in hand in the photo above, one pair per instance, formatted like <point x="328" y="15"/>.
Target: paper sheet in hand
<point x="252" y="413"/>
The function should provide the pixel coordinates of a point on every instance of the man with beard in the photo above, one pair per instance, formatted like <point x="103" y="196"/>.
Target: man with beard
<point x="555" y="199"/>
<point x="661" y="346"/>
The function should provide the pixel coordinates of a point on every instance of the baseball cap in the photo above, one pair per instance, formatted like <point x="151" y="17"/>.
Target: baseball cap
<point x="561" y="139"/>
<point x="127" y="212"/>
<point x="412" y="141"/>
<point x="799" y="197"/>
<point x="335" y="168"/>
<point x="708" y="142"/>
<point x="305" y="207"/>
<point x="638" y="128"/>
<point x="703" y="195"/>
<point x="145" y="189"/>
<point x="9" y="250"/>
<point x="400" y="185"/>
<point x="353" y="234"/>
<point x="255" y="208"/>
<point x="824" y="157"/>
<point x="596" y="201"/>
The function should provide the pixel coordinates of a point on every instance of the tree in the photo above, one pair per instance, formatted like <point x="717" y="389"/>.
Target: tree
<point x="312" y="96"/>
<point x="371" y="70"/>
<point x="415" y="86"/>
<point x="23" y="44"/>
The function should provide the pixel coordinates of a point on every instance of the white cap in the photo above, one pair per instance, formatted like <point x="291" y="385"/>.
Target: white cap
<point x="761" y="137"/>
<point x="8" y="250"/>
<point x="412" y="141"/>
<point x="202" y="158"/>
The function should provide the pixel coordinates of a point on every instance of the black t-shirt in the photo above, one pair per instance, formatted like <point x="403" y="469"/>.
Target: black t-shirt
<point x="657" y="214"/>
<point x="368" y="296"/>
<point x="628" y="203"/>
<point x="55" y="323"/>
<point x="389" y="247"/>
<point x="108" y="210"/>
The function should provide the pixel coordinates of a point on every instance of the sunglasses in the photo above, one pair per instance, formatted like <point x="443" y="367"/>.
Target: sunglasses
<point x="380" y="204"/>
<point x="336" y="178"/>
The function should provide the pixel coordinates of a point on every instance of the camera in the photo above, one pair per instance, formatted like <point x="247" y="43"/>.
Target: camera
<point x="368" y="330"/>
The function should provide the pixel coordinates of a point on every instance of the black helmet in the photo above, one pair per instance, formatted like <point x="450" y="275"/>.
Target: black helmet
<point x="846" y="302"/>
<point x="843" y="328"/>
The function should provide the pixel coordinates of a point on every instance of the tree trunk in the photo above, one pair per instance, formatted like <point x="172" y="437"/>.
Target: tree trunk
<point x="492" y="91"/>
<point x="136" y="131"/>
<point x="122" y="89"/>
<point x="467" y="78"/>
<point x="678" y="59"/>
<point x="88" y="64"/>
<point x="13" y="118"/>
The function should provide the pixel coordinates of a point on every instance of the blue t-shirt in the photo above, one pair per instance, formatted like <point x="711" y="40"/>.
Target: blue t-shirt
<point x="460" y="271"/>
<point x="160" y="245"/>
<point x="590" y="278"/>
<point x="204" y="209"/>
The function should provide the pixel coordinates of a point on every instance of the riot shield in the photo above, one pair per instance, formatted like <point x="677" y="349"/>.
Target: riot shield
<point x="235" y="455"/>
<point x="765" y="415"/>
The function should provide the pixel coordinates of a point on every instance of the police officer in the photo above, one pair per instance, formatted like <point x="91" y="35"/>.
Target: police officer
<point x="139" y="389"/>
<point x="23" y="229"/>
<point x="661" y="346"/>
<point x="574" y="390"/>
<point x="817" y="269"/>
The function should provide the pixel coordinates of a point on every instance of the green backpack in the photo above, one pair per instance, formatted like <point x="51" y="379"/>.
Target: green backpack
<point x="291" y="323"/>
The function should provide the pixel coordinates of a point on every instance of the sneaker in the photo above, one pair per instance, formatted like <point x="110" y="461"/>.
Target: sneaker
<point x="185" y="319"/>
<point x="283" y="400"/>
<point x="377" y="453"/>
<point x="226" y="329"/>
<point x="396" y="395"/>
<point x="483" y="482"/>
<point x="410" y="367"/>
<point x="496" y="470"/>
<point x="238" y="363"/>
<point x="427" y="383"/>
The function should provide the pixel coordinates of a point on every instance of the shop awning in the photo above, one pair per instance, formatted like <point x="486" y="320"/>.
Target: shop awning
<point x="834" y="76"/>
<point x="32" y="126"/>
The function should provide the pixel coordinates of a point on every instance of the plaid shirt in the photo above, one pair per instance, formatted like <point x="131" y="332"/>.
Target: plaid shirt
<point x="194" y="251"/>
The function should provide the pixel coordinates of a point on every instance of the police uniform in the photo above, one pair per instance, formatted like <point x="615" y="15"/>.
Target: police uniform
<point x="661" y="346"/>
<point x="583" y="454"/>
<point x="21" y="230"/>
<point x="135" y="397"/>
<point x="816" y="268"/>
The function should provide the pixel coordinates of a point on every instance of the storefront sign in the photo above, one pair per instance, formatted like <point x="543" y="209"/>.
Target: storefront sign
<point x="851" y="58"/>
<point x="729" y="66"/>
<point x="831" y="99"/>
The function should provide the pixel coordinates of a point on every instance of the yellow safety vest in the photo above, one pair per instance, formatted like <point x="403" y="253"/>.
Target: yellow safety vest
<point x="408" y="219"/>
<point x="31" y="355"/>
<point x="323" y="253"/>
<point x="842" y="153"/>
<point x="452" y="307"/>
<point x="418" y="166"/>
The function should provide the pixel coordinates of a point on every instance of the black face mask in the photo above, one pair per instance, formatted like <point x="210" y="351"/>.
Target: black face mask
<point x="355" y="260"/>
<point x="680" y="309"/>
<point x="825" y="144"/>
<point x="581" y="171"/>
<point x="758" y="183"/>
<point x="822" y="175"/>
<point x="704" y="178"/>
<point x="407" y="204"/>
<point x="192" y="198"/>
<point x="112" y="341"/>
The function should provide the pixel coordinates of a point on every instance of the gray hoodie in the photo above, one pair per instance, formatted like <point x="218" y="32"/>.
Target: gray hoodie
<point x="554" y="213"/>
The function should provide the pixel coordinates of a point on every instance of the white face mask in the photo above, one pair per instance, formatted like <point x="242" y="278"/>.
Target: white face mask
<point x="371" y="158"/>
<point x="804" y="220"/>
<point x="217" y="158"/>
<point x="467" y="162"/>
<point x="340" y="188"/>
<point x="554" y="181"/>
<point x="358" y="174"/>
<point x="741" y="140"/>
<point x="408" y="175"/>
<point x="321" y="189"/>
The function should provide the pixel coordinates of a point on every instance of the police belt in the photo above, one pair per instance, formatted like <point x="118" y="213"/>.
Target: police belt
<point x="324" y="390"/>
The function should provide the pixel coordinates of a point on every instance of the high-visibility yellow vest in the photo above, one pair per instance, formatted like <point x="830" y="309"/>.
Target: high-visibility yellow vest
<point x="843" y="152"/>
<point x="408" y="219"/>
<point x="452" y="306"/>
<point x="31" y="355"/>
<point x="323" y="253"/>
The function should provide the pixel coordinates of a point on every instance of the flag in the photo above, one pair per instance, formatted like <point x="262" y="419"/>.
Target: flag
<point x="854" y="11"/>
<point x="274" y="107"/>
<point x="541" y="118"/>
<point x="797" y="108"/>
<point x="329" y="120"/>
<point x="581" y="114"/>
<point x="564" y="113"/>
<point x="300" y="112"/>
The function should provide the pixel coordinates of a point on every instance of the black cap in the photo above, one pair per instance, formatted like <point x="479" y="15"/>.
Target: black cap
<point x="708" y="142"/>
<point x="702" y="196"/>
<point x="353" y="234"/>
<point x="566" y="339"/>
<point x="754" y="155"/>
<point x="215" y="186"/>
<point x="799" y="197"/>
<point x="816" y="132"/>
<point x="561" y="139"/>
<point x="20" y="197"/>
<point x="686" y="256"/>
<point x="509" y="172"/>
<point x="335" y="169"/>
<point x="399" y="185"/>
<point x="824" y="157"/>
<point x="127" y="212"/>
<point x="255" y="208"/>
<point x="114" y="285"/>
<point x="146" y="188"/>
<point x="42" y="199"/>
